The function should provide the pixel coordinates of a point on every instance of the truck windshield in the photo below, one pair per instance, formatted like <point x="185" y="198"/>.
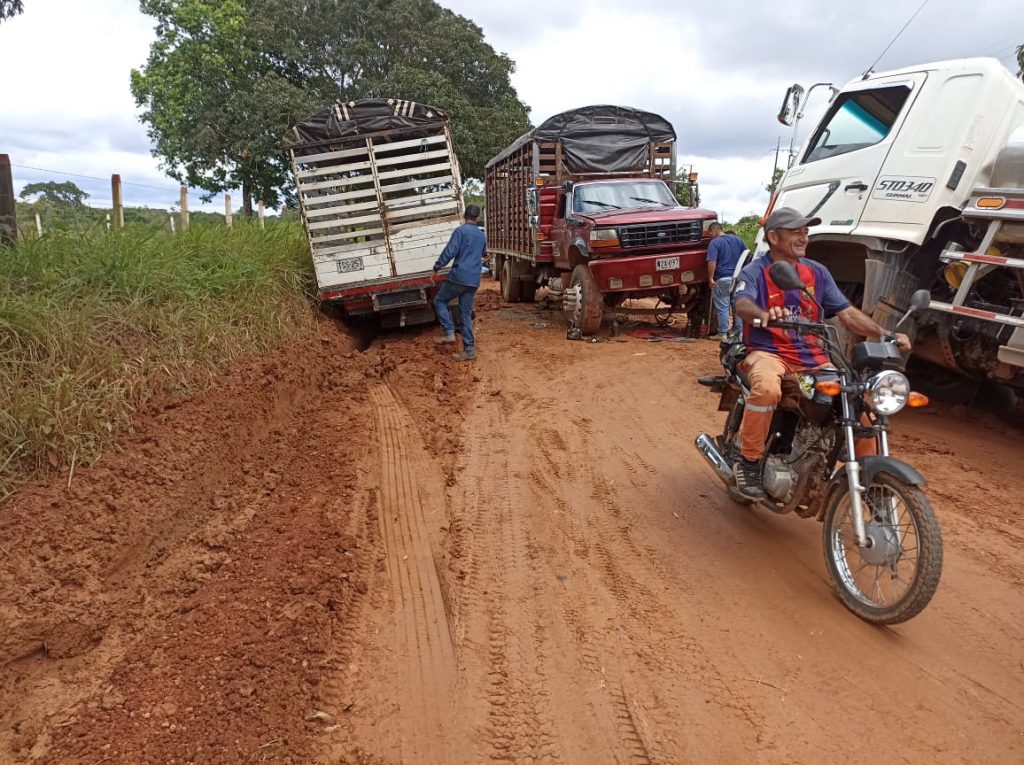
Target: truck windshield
<point x="857" y="120"/>
<point x="594" y="197"/>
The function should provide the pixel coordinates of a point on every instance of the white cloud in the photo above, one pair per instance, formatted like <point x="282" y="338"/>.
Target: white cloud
<point x="717" y="71"/>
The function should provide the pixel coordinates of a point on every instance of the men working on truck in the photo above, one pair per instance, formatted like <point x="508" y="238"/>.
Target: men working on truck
<point x="466" y="247"/>
<point x="724" y="254"/>
<point x="774" y="352"/>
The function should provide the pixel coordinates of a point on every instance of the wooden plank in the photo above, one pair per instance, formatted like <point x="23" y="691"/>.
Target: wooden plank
<point x="455" y="217"/>
<point x="333" y="169"/>
<point x="337" y="183"/>
<point x="425" y="210"/>
<point x="346" y="235"/>
<point x="320" y="212"/>
<point x="329" y="155"/>
<point x="401" y="159"/>
<point x="311" y="199"/>
<point x="444" y="167"/>
<point x="389" y="188"/>
<point x="340" y="222"/>
<point x="395" y="202"/>
<point x="340" y="249"/>
<point x="425" y="230"/>
<point x="412" y="142"/>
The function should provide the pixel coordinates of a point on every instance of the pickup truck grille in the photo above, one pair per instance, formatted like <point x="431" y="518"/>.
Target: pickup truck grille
<point x="654" y="234"/>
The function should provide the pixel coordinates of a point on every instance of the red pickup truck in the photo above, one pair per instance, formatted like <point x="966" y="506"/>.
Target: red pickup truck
<point x="582" y="205"/>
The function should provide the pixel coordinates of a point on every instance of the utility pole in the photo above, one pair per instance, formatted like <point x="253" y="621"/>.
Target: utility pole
<point x="775" y="166"/>
<point x="118" y="202"/>
<point x="183" y="205"/>
<point x="8" y="214"/>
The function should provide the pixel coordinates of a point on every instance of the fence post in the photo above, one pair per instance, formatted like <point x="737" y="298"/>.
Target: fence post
<point x="184" y="208"/>
<point x="108" y="221"/>
<point x="39" y="225"/>
<point x="115" y="189"/>
<point x="8" y="214"/>
<point x="227" y="209"/>
<point x="171" y="219"/>
<point x="260" y="205"/>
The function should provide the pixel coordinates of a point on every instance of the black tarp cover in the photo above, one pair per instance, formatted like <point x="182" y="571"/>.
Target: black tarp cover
<point x="371" y="115"/>
<point x="605" y="139"/>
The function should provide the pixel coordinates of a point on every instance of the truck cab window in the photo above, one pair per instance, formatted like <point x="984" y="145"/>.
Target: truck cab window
<point x="857" y="120"/>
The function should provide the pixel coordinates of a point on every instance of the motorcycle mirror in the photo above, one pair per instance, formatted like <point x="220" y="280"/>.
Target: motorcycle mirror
<point x="784" y="275"/>
<point x="919" y="300"/>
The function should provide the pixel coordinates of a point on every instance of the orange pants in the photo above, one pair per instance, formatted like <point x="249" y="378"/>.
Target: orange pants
<point x="766" y="371"/>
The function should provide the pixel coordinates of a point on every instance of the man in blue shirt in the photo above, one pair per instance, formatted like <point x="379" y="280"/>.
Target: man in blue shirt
<point x="724" y="253"/>
<point x="466" y="247"/>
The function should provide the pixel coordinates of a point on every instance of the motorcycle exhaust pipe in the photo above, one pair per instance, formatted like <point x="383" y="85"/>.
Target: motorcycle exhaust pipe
<point x="706" y="446"/>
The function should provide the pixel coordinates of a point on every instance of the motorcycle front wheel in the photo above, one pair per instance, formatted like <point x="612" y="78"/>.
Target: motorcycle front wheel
<point x="895" y="576"/>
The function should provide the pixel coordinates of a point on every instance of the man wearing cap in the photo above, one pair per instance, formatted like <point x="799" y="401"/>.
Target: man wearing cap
<point x="466" y="247"/>
<point x="774" y="353"/>
<point x="724" y="253"/>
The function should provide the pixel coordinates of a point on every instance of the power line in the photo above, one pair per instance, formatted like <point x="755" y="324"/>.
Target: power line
<point x="95" y="178"/>
<point x="872" y="67"/>
<point x="996" y="46"/>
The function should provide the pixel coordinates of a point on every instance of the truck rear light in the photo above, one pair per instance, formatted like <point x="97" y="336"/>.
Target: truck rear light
<point x="646" y="281"/>
<point x="615" y="283"/>
<point x="666" y="278"/>
<point x="991" y="203"/>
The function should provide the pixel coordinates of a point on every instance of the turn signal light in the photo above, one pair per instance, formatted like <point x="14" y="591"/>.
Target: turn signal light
<point x="991" y="203"/>
<point x="829" y="387"/>
<point x="917" y="400"/>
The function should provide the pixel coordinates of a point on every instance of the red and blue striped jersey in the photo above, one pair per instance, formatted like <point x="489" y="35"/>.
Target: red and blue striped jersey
<point x="799" y="351"/>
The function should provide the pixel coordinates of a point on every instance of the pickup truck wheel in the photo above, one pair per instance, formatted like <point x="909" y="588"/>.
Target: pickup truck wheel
<point x="511" y="287"/>
<point x="591" y="303"/>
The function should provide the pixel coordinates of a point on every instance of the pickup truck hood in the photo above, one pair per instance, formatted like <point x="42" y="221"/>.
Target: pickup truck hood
<point x="650" y="215"/>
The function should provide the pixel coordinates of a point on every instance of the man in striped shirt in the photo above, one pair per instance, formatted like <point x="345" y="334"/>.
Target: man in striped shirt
<point x="774" y="353"/>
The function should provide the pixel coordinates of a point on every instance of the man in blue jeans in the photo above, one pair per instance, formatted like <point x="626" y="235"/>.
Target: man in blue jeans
<point x="724" y="253"/>
<point x="466" y="247"/>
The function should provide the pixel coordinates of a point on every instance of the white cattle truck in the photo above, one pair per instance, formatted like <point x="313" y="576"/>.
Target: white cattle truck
<point x="380" y="193"/>
<point x="918" y="177"/>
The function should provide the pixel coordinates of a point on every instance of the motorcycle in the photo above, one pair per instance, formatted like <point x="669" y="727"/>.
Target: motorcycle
<point x="882" y="544"/>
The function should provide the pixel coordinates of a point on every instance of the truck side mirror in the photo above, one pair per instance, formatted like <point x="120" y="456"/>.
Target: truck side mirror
<point x="531" y="200"/>
<point x="790" y="104"/>
<point x="921" y="299"/>
<point x="785" y="276"/>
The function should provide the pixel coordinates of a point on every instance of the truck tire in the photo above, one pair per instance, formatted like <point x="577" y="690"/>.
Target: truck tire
<point x="511" y="286"/>
<point x="591" y="303"/>
<point x="528" y="291"/>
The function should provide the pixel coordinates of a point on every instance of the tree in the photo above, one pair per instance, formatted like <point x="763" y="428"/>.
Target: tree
<point x="65" y="193"/>
<point x="686" y="193"/>
<point x="746" y="228"/>
<point x="226" y="80"/>
<point x="10" y="8"/>
<point x="774" y="183"/>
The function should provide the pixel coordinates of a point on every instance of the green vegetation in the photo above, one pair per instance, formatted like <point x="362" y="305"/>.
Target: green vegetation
<point x="225" y="81"/>
<point x="745" y="228"/>
<point x="93" y="325"/>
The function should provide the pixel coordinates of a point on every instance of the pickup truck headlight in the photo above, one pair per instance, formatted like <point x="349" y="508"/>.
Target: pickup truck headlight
<point x="604" y="237"/>
<point x="887" y="392"/>
<point x="707" y="224"/>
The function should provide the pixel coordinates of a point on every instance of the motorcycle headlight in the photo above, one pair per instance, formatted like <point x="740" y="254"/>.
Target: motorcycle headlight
<point x="887" y="392"/>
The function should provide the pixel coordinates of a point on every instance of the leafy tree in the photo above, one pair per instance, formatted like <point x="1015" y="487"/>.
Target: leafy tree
<point x="65" y="193"/>
<point x="746" y="228"/>
<point x="225" y="81"/>
<point x="10" y="8"/>
<point x="685" y="192"/>
<point x="774" y="183"/>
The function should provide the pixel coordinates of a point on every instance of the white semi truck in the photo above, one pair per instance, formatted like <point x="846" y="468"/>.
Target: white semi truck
<point x="918" y="177"/>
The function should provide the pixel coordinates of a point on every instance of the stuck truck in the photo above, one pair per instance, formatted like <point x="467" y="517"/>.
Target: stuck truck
<point x="379" y="190"/>
<point x="582" y="205"/>
<point x="918" y="177"/>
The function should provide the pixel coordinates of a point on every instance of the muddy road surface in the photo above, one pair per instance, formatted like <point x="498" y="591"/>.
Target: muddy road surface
<point x="383" y="556"/>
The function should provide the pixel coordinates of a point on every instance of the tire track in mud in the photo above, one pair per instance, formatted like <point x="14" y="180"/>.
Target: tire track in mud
<point x="427" y="658"/>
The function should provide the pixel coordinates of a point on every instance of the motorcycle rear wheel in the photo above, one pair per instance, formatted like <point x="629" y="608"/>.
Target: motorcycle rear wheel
<point x="905" y="558"/>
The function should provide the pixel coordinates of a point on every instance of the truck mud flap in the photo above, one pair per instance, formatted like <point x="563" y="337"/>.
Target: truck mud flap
<point x="388" y="301"/>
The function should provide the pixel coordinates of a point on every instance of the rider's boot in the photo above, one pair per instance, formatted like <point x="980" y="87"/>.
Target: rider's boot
<point x="748" y="478"/>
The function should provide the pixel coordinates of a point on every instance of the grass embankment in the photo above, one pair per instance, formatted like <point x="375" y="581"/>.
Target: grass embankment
<point x="93" y="325"/>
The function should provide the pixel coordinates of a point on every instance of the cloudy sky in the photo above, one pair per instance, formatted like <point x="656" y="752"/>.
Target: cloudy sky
<point x="717" y="71"/>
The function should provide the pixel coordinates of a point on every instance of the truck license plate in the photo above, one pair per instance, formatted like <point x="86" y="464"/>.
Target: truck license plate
<point x="349" y="265"/>
<point x="667" y="264"/>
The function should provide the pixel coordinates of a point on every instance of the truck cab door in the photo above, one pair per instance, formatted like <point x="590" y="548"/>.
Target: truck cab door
<point x="837" y="167"/>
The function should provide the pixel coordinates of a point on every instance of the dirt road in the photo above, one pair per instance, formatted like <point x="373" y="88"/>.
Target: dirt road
<point x="384" y="556"/>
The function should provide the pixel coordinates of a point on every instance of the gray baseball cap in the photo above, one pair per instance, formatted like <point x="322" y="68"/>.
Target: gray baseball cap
<point x="787" y="217"/>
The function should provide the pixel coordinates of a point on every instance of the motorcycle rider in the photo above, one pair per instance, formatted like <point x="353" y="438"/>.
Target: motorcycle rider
<point x="774" y="352"/>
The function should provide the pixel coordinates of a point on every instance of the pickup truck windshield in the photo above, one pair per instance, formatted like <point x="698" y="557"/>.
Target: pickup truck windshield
<point x="857" y="120"/>
<point x="595" y="197"/>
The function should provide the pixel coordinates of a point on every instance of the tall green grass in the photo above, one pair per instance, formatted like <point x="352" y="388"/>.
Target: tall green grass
<point x="93" y="325"/>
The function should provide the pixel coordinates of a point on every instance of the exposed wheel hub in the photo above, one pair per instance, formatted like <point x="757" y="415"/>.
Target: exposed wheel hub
<point x="883" y="547"/>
